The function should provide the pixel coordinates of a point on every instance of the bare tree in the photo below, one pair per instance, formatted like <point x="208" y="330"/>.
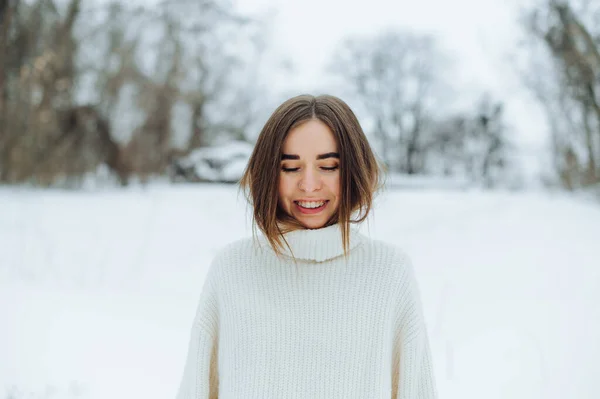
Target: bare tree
<point x="106" y="90"/>
<point x="472" y="144"/>
<point x="38" y="75"/>
<point x="393" y="75"/>
<point x="567" y="84"/>
<point x="193" y="63"/>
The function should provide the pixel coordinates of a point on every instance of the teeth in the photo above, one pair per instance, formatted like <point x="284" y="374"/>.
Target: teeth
<point x="311" y="204"/>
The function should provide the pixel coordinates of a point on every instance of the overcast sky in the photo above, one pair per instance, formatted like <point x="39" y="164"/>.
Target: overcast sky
<point x="480" y="35"/>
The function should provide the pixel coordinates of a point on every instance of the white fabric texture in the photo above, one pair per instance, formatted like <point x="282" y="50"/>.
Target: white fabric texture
<point x="320" y="326"/>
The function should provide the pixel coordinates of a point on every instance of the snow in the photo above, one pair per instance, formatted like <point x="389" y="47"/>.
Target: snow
<point x="404" y="181"/>
<point x="98" y="289"/>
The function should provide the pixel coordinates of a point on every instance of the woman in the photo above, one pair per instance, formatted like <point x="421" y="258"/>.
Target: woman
<point x="311" y="308"/>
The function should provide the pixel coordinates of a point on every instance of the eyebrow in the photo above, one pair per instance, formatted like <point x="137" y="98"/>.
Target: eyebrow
<point x="320" y="156"/>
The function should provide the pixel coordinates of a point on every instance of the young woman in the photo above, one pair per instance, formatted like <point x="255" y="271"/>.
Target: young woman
<point x="309" y="308"/>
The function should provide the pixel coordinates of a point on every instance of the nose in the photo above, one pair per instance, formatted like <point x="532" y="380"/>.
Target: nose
<point x="310" y="181"/>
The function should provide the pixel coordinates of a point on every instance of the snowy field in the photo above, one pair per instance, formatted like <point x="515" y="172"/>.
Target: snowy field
<point x="97" y="291"/>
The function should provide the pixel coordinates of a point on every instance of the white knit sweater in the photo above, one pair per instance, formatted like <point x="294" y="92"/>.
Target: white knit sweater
<point x="323" y="327"/>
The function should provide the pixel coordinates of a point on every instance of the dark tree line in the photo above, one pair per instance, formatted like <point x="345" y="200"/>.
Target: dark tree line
<point x="118" y="85"/>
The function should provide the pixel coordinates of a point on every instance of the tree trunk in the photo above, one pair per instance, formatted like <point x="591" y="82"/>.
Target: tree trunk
<point x="6" y="14"/>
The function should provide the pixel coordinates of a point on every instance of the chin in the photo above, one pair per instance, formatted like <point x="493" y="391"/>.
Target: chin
<point x="312" y="224"/>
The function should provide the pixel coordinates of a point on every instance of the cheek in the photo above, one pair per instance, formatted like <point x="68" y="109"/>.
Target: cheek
<point x="333" y="183"/>
<point x="285" y="187"/>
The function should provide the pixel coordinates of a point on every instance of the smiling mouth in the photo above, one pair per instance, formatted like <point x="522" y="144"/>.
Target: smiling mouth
<point x="311" y="207"/>
<point x="310" y="204"/>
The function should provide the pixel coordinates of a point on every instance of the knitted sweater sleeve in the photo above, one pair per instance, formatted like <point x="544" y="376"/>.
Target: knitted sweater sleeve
<point x="200" y="378"/>
<point x="413" y="369"/>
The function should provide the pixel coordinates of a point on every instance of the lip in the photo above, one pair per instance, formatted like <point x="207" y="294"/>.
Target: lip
<point x="312" y="211"/>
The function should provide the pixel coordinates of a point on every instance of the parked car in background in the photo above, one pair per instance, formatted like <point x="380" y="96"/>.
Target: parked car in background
<point x="223" y="163"/>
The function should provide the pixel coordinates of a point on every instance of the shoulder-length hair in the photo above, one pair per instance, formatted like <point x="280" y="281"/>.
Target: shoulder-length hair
<point x="359" y="169"/>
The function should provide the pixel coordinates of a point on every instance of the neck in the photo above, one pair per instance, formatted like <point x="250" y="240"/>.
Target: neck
<point x="317" y="245"/>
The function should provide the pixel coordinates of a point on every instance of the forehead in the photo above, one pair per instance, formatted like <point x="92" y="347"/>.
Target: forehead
<point x="311" y="137"/>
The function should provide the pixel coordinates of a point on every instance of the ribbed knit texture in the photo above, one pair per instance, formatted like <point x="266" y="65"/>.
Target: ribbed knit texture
<point x="322" y="326"/>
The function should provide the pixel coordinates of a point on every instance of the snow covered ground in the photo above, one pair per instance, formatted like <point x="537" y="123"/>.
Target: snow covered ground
<point x="97" y="290"/>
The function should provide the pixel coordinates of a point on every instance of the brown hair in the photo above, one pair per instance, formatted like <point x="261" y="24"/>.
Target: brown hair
<point x="359" y="169"/>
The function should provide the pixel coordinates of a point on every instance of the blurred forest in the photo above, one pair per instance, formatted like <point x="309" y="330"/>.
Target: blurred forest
<point x="133" y="92"/>
<point x="564" y="75"/>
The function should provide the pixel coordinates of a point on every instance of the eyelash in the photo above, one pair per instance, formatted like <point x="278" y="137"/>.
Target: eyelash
<point x="326" y="169"/>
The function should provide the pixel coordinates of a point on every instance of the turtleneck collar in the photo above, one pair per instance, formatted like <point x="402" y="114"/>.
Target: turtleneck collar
<point x="319" y="245"/>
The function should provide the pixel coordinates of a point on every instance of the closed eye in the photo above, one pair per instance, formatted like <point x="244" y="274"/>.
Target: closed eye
<point x="290" y="169"/>
<point x="325" y="168"/>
